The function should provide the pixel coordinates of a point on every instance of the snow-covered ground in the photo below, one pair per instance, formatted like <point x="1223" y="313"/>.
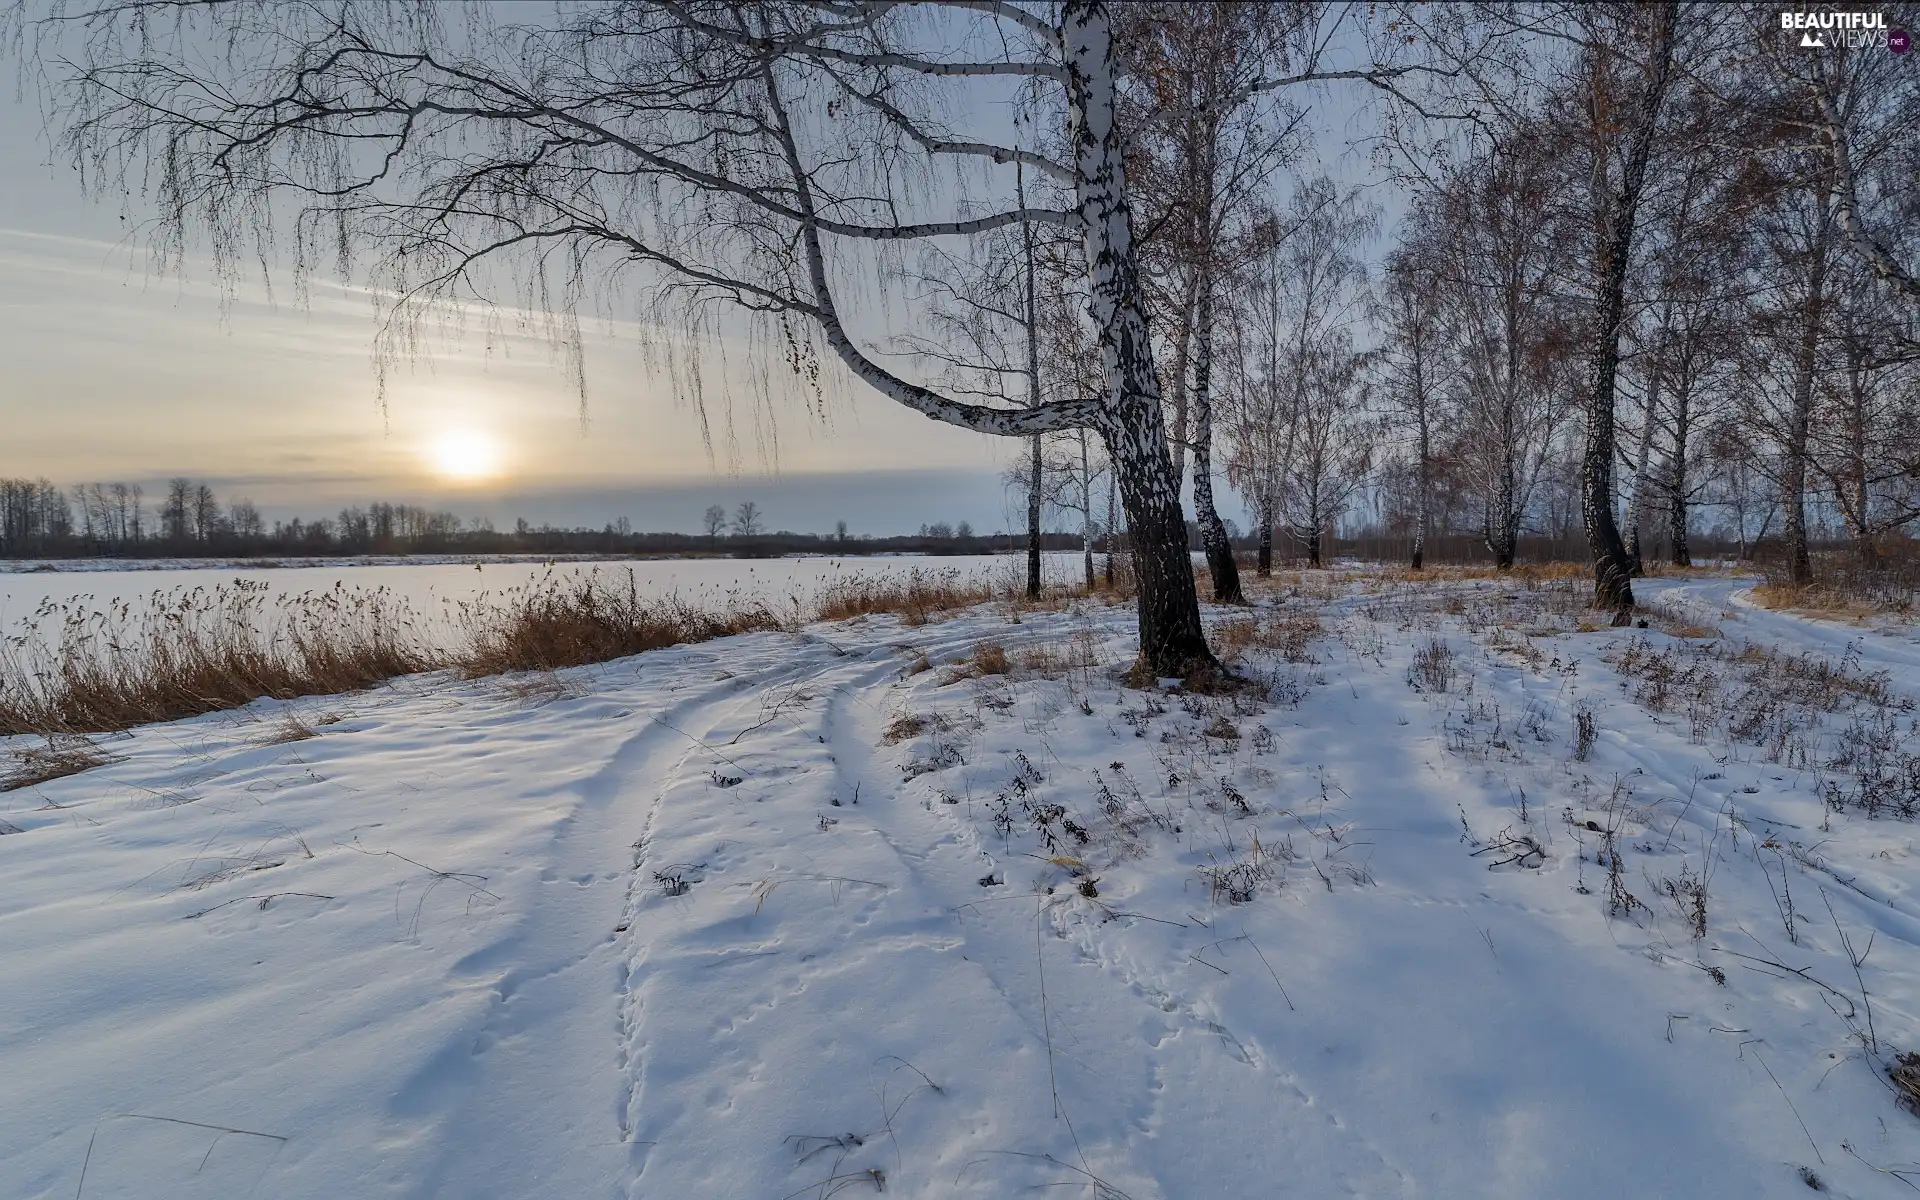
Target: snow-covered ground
<point x="788" y="916"/>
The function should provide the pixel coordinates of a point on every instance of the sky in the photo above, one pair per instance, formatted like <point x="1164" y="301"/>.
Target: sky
<point x="116" y="373"/>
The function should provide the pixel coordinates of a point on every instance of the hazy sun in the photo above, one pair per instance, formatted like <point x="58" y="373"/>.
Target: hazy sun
<point x="463" y="454"/>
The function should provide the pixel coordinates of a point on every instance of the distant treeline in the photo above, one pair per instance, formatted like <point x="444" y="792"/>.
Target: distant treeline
<point x="39" y="519"/>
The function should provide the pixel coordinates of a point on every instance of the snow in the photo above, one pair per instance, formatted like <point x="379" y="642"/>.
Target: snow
<point x="743" y="919"/>
<point x="426" y="585"/>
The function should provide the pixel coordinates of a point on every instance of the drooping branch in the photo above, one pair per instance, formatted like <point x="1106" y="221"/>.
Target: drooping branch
<point x="1045" y="418"/>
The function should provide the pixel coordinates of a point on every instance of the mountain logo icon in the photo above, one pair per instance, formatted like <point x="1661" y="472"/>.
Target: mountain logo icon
<point x="1813" y="41"/>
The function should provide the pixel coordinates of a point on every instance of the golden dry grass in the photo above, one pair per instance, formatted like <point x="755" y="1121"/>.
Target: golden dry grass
<point x="1814" y="600"/>
<point x="916" y="598"/>
<point x="201" y="650"/>
<point x="194" y="651"/>
<point x="587" y="618"/>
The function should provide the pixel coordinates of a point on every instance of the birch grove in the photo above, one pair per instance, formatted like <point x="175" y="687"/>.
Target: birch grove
<point x="1647" y="276"/>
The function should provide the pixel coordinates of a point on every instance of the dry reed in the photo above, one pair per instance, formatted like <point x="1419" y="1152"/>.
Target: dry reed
<point x="76" y="669"/>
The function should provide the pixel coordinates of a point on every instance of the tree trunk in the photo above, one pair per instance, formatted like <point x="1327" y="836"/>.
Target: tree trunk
<point x="1793" y="477"/>
<point x="1086" y="509"/>
<point x="1182" y="351"/>
<point x="1637" y="506"/>
<point x="1172" y="642"/>
<point x="1423" y="482"/>
<point x="1036" y="481"/>
<point x="1213" y="533"/>
<point x="1113" y="516"/>
<point x="1033" y="522"/>
<point x="1503" y="525"/>
<point x="1615" y="216"/>
<point x="1263" y="560"/>
<point x="1682" y="554"/>
<point x="1676" y="481"/>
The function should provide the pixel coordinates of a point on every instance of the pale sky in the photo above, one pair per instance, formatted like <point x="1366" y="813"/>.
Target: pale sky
<point x="114" y="374"/>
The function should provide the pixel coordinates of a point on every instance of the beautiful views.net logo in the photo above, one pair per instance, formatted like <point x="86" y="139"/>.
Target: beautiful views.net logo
<point x="1852" y="30"/>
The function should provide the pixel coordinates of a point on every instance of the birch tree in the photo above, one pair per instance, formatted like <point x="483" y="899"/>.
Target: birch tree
<point x="1414" y="359"/>
<point x="759" y="158"/>
<point x="1507" y="314"/>
<point x="1209" y="141"/>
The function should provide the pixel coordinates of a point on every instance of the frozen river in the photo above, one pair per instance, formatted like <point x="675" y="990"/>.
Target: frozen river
<point x="428" y="588"/>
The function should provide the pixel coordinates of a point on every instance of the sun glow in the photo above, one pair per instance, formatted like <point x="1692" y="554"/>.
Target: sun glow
<point x="464" y="455"/>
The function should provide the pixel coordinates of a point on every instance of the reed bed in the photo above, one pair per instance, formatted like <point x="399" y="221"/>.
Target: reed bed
<point x="76" y="669"/>
<point x="197" y="650"/>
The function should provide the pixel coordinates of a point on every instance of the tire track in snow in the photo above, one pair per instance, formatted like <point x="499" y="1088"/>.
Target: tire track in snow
<point x="514" y="1081"/>
<point x="1138" y="1088"/>
<point x="889" y="950"/>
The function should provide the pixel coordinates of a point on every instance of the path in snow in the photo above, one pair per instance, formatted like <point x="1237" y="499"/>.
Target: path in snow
<point x="695" y="924"/>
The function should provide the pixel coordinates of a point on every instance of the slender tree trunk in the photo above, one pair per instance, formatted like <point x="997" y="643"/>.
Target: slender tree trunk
<point x="1182" y="357"/>
<point x="1682" y="553"/>
<point x="1676" y="483"/>
<point x="1213" y="533"/>
<point x="1035" y="480"/>
<point x="1113" y="516"/>
<point x="1263" y="560"/>
<point x="1504" y="538"/>
<point x="1033" y="521"/>
<point x="1793" y="478"/>
<point x="1637" y="507"/>
<point x="1172" y="641"/>
<point x="1615" y="216"/>
<point x="1086" y="508"/>
<point x="1422" y="483"/>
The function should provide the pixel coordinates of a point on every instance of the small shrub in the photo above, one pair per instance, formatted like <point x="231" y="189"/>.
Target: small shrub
<point x="990" y="658"/>
<point x="1585" y="732"/>
<point x="1905" y="1074"/>
<point x="1433" y="667"/>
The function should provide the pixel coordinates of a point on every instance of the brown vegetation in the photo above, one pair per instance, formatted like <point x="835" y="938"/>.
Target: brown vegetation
<point x="1847" y="586"/>
<point x="201" y="650"/>
<point x="208" y="649"/>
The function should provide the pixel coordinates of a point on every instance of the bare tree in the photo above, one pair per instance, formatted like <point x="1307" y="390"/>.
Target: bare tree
<point x="1310" y="289"/>
<point x="1862" y="105"/>
<point x="1865" y="438"/>
<point x="243" y="518"/>
<point x="1415" y="367"/>
<point x="758" y="157"/>
<point x="1624" y="70"/>
<point x="747" y="519"/>
<point x="1208" y="144"/>
<point x="714" y="521"/>
<point x="176" y="512"/>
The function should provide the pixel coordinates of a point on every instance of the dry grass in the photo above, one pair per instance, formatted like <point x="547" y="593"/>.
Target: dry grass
<point x="917" y="598"/>
<point x="57" y="759"/>
<point x="1905" y="1074"/>
<point x="188" y="652"/>
<point x="289" y="728"/>
<point x="1291" y="634"/>
<point x="587" y="618"/>
<point x="1816" y="600"/>
<point x="1845" y="587"/>
<point x="905" y="726"/>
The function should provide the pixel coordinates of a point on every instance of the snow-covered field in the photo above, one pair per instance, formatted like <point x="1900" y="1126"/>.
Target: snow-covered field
<point x="787" y="916"/>
<point x="427" y="585"/>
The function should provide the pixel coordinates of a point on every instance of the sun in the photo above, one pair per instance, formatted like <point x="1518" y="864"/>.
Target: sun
<point x="464" y="455"/>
